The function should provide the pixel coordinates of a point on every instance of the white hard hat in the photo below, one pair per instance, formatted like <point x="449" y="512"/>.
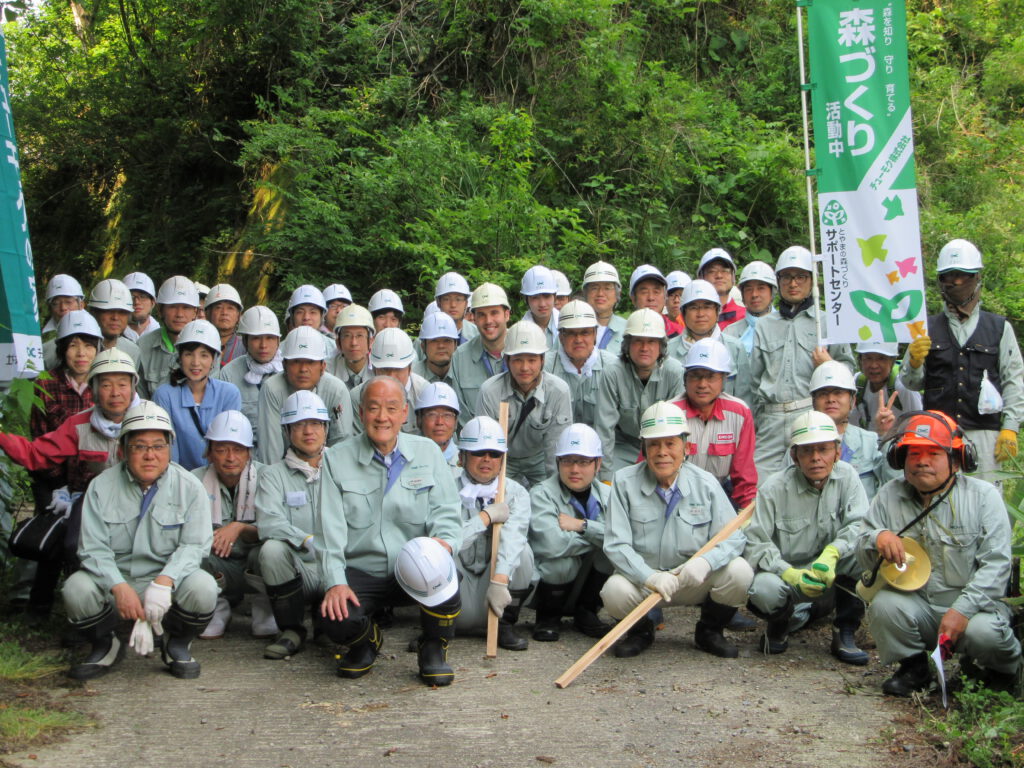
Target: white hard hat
<point x="663" y="419"/>
<point x="201" y="289"/>
<point x="577" y="314"/>
<point x="303" y="405"/>
<point x="832" y="374"/>
<point x="140" y="281"/>
<point x="223" y="292"/>
<point x="482" y="433"/>
<point x="64" y="285"/>
<point x="700" y="290"/>
<point x="111" y="294"/>
<point x="960" y="255"/>
<point x="887" y="348"/>
<point x="438" y="326"/>
<point x="759" y="270"/>
<point x="259" y="321"/>
<point x="489" y="295"/>
<point x="646" y="324"/>
<point x="795" y="257"/>
<point x="303" y="343"/>
<point x="645" y="272"/>
<point x="178" y="290"/>
<point x="562" y="285"/>
<point x="385" y="299"/>
<point x="716" y="254"/>
<point x="392" y="348"/>
<point x="431" y="309"/>
<point x="537" y="280"/>
<point x="525" y="338"/>
<point x="230" y="427"/>
<point x="307" y="294"/>
<point x="437" y="394"/>
<point x="144" y="416"/>
<point x="426" y="571"/>
<point x="710" y="354"/>
<point x="337" y="292"/>
<point x="601" y="272"/>
<point x="199" y="332"/>
<point x="113" y="360"/>
<point x="356" y="316"/>
<point x="677" y="280"/>
<point x="813" y="427"/>
<point x="78" y="322"/>
<point x="579" y="440"/>
<point x="451" y="282"/>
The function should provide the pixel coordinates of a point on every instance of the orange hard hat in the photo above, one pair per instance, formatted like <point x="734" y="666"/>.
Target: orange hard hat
<point x="930" y="429"/>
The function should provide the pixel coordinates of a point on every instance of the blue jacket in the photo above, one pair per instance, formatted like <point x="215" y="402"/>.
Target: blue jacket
<point x="189" y="442"/>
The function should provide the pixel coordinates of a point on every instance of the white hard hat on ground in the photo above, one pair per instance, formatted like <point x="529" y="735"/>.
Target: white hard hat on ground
<point x="230" y="427"/>
<point x="579" y="440"/>
<point x="663" y="419"/>
<point x="426" y="571"/>
<point x="392" y="348"/>
<point x="259" y="321"/>
<point x="482" y="433"/>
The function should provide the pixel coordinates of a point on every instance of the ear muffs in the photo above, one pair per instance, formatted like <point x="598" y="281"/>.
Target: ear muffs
<point x="968" y="456"/>
<point x="896" y="455"/>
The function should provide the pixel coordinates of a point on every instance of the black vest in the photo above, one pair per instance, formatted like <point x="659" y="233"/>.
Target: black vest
<point x="952" y="378"/>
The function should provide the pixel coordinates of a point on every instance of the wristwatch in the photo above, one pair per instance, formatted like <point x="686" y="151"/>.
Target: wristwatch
<point x="584" y="529"/>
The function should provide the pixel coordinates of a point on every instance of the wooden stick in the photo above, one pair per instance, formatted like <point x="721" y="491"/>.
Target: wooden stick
<point x="647" y="604"/>
<point x="492" y="617"/>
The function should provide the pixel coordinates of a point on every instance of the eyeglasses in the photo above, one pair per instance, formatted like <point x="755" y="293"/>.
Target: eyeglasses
<point x="445" y="416"/>
<point x="145" y="449"/>
<point x="487" y="454"/>
<point x="794" y="277"/>
<point x="575" y="461"/>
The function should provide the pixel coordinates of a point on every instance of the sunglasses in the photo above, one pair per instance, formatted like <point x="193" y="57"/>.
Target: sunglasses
<point x="487" y="454"/>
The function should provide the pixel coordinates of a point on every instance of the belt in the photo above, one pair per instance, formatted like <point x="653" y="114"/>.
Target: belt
<point x="792" y="405"/>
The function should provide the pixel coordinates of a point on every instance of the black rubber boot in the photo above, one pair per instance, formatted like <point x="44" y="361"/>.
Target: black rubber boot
<point x="849" y="613"/>
<point x="508" y="638"/>
<point x="708" y="636"/>
<point x="741" y="623"/>
<point x="585" y="616"/>
<point x="913" y="675"/>
<point x="180" y="629"/>
<point x="362" y="652"/>
<point x="289" y="607"/>
<point x="638" y="639"/>
<point x="437" y="630"/>
<point x="106" y="649"/>
<point x="775" y="639"/>
<point x="550" y="604"/>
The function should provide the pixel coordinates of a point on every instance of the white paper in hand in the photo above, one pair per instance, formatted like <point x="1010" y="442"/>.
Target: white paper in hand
<point x="941" y="674"/>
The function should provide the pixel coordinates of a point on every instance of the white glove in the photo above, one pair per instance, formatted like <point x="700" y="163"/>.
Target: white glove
<point x="61" y="501"/>
<point x="664" y="583"/>
<point x="141" y="640"/>
<point x="156" y="600"/>
<point x="310" y="546"/>
<point x="498" y="597"/>
<point x="497" y="512"/>
<point x="693" y="572"/>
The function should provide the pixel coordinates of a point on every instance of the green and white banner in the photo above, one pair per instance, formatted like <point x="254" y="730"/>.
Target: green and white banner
<point x="21" y="350"/>
<point x="864" y="149"/>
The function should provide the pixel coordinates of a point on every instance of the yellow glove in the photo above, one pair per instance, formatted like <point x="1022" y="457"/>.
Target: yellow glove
<point x="805" y="580"/>
<point x="919" y="349"/>
<point x="825" y="566"/>
<point x="1006" y="445"/>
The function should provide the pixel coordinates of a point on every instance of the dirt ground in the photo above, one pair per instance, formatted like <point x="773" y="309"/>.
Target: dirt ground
<point x="673" y="705"/>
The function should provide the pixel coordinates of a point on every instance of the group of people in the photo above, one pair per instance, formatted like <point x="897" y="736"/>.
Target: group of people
<point x="339" y="466"/>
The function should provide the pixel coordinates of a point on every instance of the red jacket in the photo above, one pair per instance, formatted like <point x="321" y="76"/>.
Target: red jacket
<point x="724" y="445"/>
<point x="731" y="313"/>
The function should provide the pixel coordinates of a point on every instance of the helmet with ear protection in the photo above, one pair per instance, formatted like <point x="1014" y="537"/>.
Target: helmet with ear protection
<point x="930" y="429"/>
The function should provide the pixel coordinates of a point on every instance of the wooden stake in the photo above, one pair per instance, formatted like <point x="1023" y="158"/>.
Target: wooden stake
<point x="649" y="602"/>
<point x="492" y="617"/>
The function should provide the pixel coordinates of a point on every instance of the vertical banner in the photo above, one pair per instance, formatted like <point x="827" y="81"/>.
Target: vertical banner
<point x="864" y="151"/>
<point x="21" y="350"/>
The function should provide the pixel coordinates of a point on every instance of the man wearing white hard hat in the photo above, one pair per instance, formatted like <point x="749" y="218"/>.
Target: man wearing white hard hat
<point x="451" y="292"/>
<point x="648" y="290"/>
<point x="287" y="504"/>
<point x="577" y="361"/>
<point x="143" y="303"/>
<point x="178" y="303"/>
<point x="539" y="404"/>
<point x="145" y="531"/>
<point x="261" y="335"/>
<point x="786" y="352"/>
<point x="63" y="294"/>
<point x="563" y="289"/>
<point x="602" y="290"/>
<point x="379" y="490"/>
<point x="661" y="512"/>
<point x="387" y="309"/>
<point x="758" y="287"/>
<point x="437" y="416"/>
<point x="538" y="286"/>
<point x="302" y="354"/>
<point x="439" y="338"/>
<point x="881" y="395"/>
<point x="566" y="535"/>
<point x="721" y="439"/>
<point x="337" y="297"/>
<point x="392" y="354"/>
<point x="353" y="331"/>
<point x="481" y="448"/>
<point x="223" y="307"/>
<point x="641" y="376"/>
<point x="718" y="268"/>
<point x="230" y="479"/>
<point x="965" y="346"/>
<point x="481" y="358"/>
<point x="802" y="540"/>
<point x="110" y="303"/>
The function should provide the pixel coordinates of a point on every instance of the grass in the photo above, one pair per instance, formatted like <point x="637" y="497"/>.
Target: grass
<point x="985" y="727"/>
<point x="24" y="726"/>
<point x="18" y="665"/>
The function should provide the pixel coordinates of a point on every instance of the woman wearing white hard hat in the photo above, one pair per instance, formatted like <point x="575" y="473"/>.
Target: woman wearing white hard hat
<point x="602" y="289"/>
<point x="261" y="334"/>
<point x="178" y="302"/>
<point x="191" y="397"/>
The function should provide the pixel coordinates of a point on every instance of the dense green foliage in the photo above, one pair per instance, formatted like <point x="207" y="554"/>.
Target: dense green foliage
<point x="275" y="142"/>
